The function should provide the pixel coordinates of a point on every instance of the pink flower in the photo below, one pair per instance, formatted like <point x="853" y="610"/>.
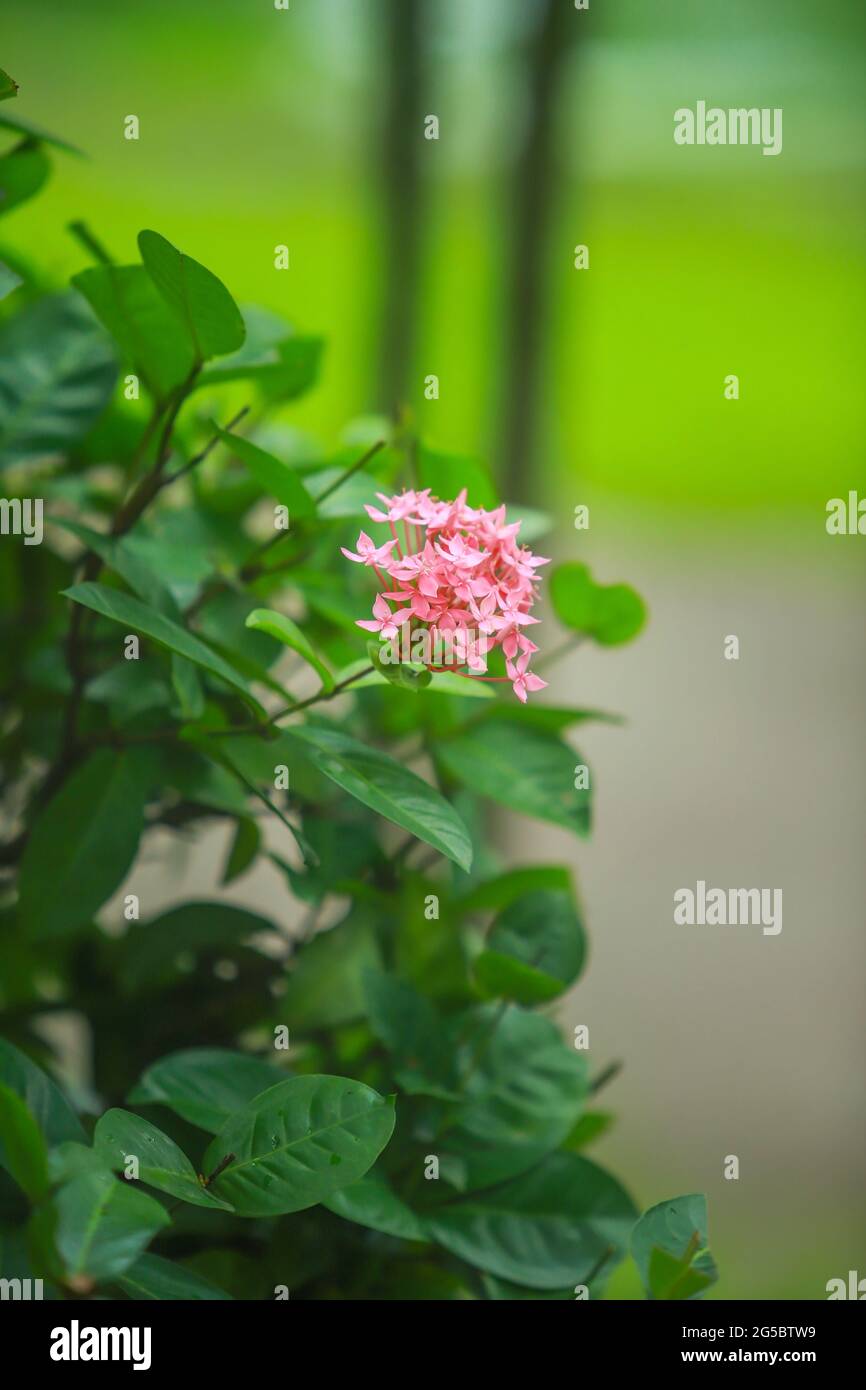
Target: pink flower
<point x="385" y="622"/>
<point x="461" y="580"/>
<point x="523" y="682"/>
<point x="368" y="552"/>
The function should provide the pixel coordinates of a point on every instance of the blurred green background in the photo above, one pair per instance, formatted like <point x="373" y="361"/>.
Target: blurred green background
<point x="604" y="386"/>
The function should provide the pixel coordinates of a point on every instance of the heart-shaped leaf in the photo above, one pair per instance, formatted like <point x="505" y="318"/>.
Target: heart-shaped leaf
<point x="609" y="613"/>
<point x="199" y="300"/>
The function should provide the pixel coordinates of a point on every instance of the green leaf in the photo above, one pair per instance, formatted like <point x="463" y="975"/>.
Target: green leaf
<point x="524" y="769"/>
<point x="126" y="300"/>
<point x="148" y="952"/>
<point x="57" y="372"/>
<point x="187" y="687"/>
<point x="23" y="1147"/>
<point x="552" y="719"/>
<point x="535" y="949"/>
<point x="281" y="364"/>
<point x="440" y="683"/>
<point x="28" y="128"/>
<point x="8" y="86"/>
<point x="588" y="1128"/>
<point x="497" y="893"/>
<point x="669" y="1245"/>
<point x="295" y="1144"/>
<point x="84" y="842"/>
<point x="245" y="846"/>
<point x="204" y="1085"/>
<point x="44" y="1100"/>
<point x="202" y="303"/>
<point x="548" y="1229"/>
<point x="372" y="1202"/>
<point x="120" y="1135"/>
<point x="387" y="788"/>
<point x="610" y="614"/>
<point x="411" y="1029"/>
<point x="140" y="617"/>
<point x="524" y="1091"/>
<point x="278" y="626"/>
<point x="23" y="172"/>
<point x="447" y="474"/>
<point x="9" y="281"/>
<point x="405" y="675"/>
<point x="326" y="988"/>
<point x="104" y="1225"/>
<point x="152" y="1277"/>
<point x="119" y="556"/>
<point x="70" y="1160"/>
<point x="277" y="479"/>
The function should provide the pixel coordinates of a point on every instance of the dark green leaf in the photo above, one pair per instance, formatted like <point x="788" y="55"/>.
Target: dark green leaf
<point x="152" y="1277"/>
<point x="409" y="1026"/>
<point x="28" y="128"/>
<point x="669" y="1245"/>
<point x="140" y="617"/>
<point x="387" y="788"/>
<point x="120" y="1135"/>
<point x="204" y="1085"/>
<point x="245" y="846"/>
<point x="524" y="769"/>
<point x="22" y="1145"/>
<point x="497" y="893"/>
<point x="104" y="1225"/>
<point x="23" y="172"/>
<point x="524" y="1088"/>
<point x="278" y="480"/>
<point x="283" y="366"/>
<point x="372" y="1202"/>
<point x="126" y="300"/>
<point x="326" y="988"/>
<point x="295" y="1144"/>
<point x="149" y="951"/>
<point x="548" y="1229"/>
<point x="83" y="844"/>
<point x="44" y="1100"/>
<point x="8" y="86"/>
<point x="198" y="299"/>
<point x="535" y="949"/>
<point x="57" y="372"/>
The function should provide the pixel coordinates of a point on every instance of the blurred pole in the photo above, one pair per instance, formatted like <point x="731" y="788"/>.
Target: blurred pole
<point x="531" y="205"/>
<point x="401" y="150"/>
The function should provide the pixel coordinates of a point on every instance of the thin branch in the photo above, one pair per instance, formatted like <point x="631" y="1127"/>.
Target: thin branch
<point x="92" y="244"/>
<point x="605" y="1076"/>
<point x="344" y="477"/>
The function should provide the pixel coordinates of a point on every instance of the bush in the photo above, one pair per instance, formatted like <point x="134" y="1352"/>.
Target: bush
<point x="363" y="1095"/>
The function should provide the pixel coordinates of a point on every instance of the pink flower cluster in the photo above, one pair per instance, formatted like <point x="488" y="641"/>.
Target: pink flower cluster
<point x="459" y="573"/>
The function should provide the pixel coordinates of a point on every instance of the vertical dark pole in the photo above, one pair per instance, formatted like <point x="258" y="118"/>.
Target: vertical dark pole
<point x="401" y="149"/>
<point x="531" y="204"/>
